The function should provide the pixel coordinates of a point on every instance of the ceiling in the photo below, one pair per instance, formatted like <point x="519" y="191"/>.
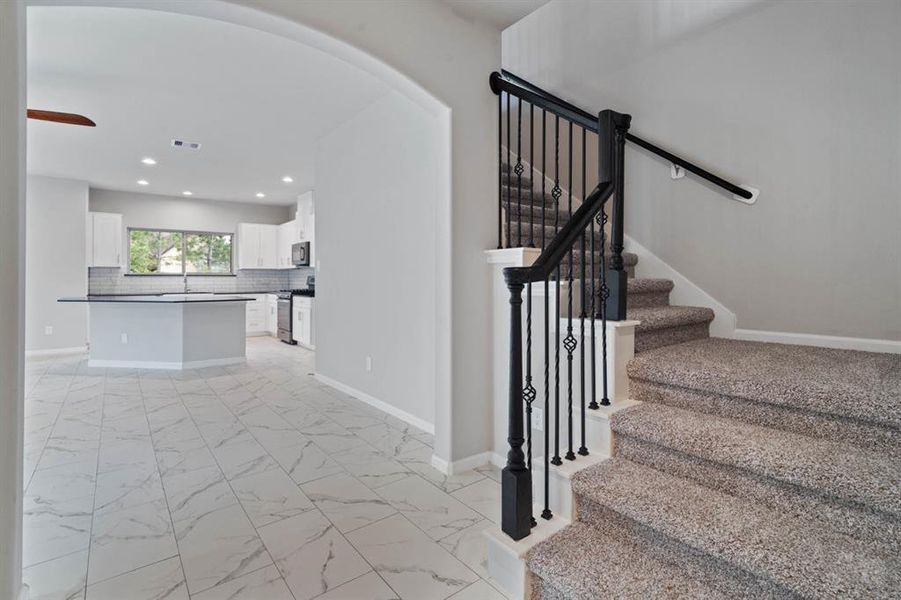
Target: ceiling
<point x="500" y="14"/>
<point x="256" y="103"/>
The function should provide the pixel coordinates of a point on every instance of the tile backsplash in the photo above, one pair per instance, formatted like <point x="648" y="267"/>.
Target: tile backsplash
<point x="103" y="280"/>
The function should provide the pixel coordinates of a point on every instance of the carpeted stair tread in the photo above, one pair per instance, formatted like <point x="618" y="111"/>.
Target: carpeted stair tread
<point x="644" y="285"/>
<point x="843" y="383"/>
<point x="833" y="469"/>
<point x="586" y="562"/>
<point x="807" y="558"/>
<point x="535" y="213"/>
<point x="665" y="317"/>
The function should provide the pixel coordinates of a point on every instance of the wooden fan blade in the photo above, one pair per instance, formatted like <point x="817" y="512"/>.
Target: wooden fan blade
<point x="61" y="117"/>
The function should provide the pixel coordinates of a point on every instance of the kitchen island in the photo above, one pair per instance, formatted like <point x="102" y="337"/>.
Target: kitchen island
<point x="169" y="331"/>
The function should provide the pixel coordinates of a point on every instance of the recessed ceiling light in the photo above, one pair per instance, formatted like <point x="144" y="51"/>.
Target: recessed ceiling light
<point x="261" y="195"/>
<point x="288" y="179"/>
<point x="143" y="182"/>
<point x="148" y="161"/>
<point x="187" y="193"/>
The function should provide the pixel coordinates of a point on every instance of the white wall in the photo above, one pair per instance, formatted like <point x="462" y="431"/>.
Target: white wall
<point x="799" y="99"/>
<point x="12" y="291"/>
<point x="167" y="212"/>
<point x="55" y="213"/>
<point x="376" y="287"/>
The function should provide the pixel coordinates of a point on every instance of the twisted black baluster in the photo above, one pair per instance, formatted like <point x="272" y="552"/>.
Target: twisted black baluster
<point x="594" y="376"/>
<point x="605" y="293"/>
<point x="509" y="175"/>
<point x="583" y="449"/>
<point x="556" y="193"/>
<point x="546" y="513"/>
<point x="518" y="170"/>
<point x="569" y="341"/>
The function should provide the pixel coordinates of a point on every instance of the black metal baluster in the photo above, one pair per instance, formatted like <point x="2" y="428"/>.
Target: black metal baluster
<point x="546" y="513"/>
<point x="518" y="170"/>
<point x="569" y="342"/>
<point x="516" y="479"/>
<point x="509" y="174"/>
<point x="594" y="285"/>
<point x="583" y="449"/>
<point x="556" y="193"/>
<point x="500" y="172"/>
<point x="602" y="304"/>
<point x="531" y="175"/>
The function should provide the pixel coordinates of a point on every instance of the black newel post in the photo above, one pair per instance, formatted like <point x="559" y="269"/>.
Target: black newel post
<point x="614" y="127"/>
<point x="516" y="479"/>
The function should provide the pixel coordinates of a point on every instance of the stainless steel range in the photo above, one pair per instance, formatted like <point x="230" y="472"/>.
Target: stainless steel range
<point x="286" y="309"/>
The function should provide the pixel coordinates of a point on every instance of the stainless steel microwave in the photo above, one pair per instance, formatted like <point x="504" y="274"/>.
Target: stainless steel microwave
<point x="300" y="254"/>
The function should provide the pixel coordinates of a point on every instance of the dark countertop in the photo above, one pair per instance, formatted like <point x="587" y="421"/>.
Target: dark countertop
<point x="160" y="299"/>
<point x="252" y="292"/>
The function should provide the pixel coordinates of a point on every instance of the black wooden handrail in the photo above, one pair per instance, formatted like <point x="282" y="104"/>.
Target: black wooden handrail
<point x="512" y="84"/>
<point x="556" y="250"/>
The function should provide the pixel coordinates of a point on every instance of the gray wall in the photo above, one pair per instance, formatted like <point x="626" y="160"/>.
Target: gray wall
<point x="55" y="215"/>
<point x="799" y="99"/>
<point x="375" y="229"/>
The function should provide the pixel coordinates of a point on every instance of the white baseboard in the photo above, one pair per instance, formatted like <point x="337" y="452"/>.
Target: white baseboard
<point x="464" y="464"/>
<point x="56" y="352"/>
<point x="23" y="593"/>
<point x="379" y="404"/>
<point x="685" y="292"/>
<point x="827" y="341"/>
<point x="165" y="365"/>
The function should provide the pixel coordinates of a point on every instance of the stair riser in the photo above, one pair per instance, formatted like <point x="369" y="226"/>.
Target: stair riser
<point x="647" y="300"/>
<point x="862" y="523"/>
<point x="657" y="338"/>
<point x="731" y="581"/>
<point x="818" y="425"/>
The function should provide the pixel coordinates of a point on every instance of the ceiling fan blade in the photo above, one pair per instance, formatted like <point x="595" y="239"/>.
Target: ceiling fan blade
<point x="61" y="117"/>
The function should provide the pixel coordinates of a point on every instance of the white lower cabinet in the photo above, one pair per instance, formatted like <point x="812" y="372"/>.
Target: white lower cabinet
<point x="256" y="315"/>
<point x="272" y="314"/>
<point x="302" y="325"/>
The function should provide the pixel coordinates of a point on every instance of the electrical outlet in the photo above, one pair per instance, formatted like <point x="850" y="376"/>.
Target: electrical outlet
<point x="48" y="330"/>
<point x="537" y="418"/>
<point x="369" y="363"/>
<point x="124" y="338"/>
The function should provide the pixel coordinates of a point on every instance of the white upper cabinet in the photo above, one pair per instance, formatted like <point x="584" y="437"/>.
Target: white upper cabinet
<point x="287" y="237"/>
<point x="257" y="246"/>
<point x="104" y="240"/>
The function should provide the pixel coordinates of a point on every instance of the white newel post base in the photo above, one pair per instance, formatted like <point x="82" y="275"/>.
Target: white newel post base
<point x="505" y="557"/>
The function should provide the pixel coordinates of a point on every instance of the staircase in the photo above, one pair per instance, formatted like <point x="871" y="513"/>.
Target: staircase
<point x="746" y="470"/>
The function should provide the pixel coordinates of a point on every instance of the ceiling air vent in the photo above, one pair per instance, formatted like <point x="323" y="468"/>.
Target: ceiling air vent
<point x="184" y="144"/>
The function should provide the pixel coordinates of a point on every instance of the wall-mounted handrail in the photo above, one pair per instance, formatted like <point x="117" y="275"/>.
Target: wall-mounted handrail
<point x="518" y="86"/>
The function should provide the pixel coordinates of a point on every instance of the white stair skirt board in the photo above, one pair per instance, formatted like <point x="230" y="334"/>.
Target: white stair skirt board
<point x="685" y="292"/>
<point x="826" y="341"/>
<point x="379" y="404"/>
<point x="56" y="352"/>
<point x="506" y="566"/>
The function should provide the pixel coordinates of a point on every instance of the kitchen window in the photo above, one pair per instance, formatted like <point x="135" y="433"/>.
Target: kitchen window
<point x="173" y="252"/>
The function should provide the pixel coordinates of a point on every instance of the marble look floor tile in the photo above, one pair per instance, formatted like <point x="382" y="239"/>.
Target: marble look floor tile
<point x="490" y="471"/>
<point x="367" y="587"/>
<point x="124" y="488"/>
<point x="306" y="462"/>
<point x="331" y="437"/>
<point x="346" y="502"/>
<point x="197" y="492"/>
<point x="480" y="590"/>
<point x="258" y="464"/>
<point x="413" y="565"/>
<point x="420" y="461"/>
<point x="163" y="580"/>
<point x="115" y="456"/>
<point x="219" y="546"/>
<point x="311" y="554"/>
<point x="389" y="440"/>
<point x="470" y="546"/>
<point x="264" y="584"/>
<point x="125" y="540"/>
<point x="435" y="512"/>
<point x="59" y="452"/>
<point x="483" y="496"/>
<point x="270" y="496"/>
<point x="176" y="457"/>
<point x="371" y="466"/>
<point x="74" y="480"/>
<point x="58" y="579"/>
